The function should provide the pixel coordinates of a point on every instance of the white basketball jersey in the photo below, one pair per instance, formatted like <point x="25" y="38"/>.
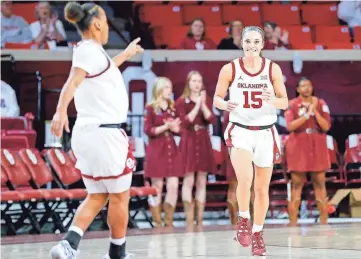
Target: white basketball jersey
<point x="246" y="89"/>
<point x="102" y="97"/>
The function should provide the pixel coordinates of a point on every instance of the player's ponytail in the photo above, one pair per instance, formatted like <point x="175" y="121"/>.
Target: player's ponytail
<point x="81" y="15"/>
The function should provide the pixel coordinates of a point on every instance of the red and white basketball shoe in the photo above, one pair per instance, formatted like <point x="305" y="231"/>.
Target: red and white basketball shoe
<point x="258" y="245"/>
<point x="244" y="231"/>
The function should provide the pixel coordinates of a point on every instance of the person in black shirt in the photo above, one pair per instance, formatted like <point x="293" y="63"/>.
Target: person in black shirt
<point x="233" y="41"/>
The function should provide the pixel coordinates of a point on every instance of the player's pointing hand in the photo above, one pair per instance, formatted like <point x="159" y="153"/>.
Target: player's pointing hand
<point x="134" y="48"/>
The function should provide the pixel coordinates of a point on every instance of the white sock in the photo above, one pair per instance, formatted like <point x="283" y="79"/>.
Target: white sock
<point x="77" y="230"/>
<point x="118" y="242"/>
<point x="257" y="228"/>
<point x="244" y="214"/>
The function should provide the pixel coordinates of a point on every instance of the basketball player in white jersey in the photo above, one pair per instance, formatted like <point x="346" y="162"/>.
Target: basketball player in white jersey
<point x="256" y="90"/>
<point x="99" y="144"/>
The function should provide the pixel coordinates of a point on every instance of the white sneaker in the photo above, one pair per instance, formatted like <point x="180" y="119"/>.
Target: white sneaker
<point x="63" y="250"/>
<point x="127" y="256"/>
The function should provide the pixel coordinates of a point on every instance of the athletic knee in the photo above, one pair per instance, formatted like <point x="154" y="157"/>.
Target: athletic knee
<point x="119" y="199"/>
<point x="261" y="192"/>
<point x="99" y="198"/>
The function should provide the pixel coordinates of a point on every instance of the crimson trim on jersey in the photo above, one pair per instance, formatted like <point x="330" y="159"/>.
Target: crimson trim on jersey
<point x="233" y="71"/>
<point x="270" y="71"/>
<point x="248" y="73"/>
<point x="102" y="72"/>
<point x="276" y="150"/>
<point x="103" y="177"/>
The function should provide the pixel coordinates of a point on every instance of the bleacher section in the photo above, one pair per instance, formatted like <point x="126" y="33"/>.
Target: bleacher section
<point x="311" y="25"/>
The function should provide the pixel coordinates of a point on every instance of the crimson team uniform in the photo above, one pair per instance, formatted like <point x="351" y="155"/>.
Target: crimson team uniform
<point x="251" y="124"/>
<point x="162" y="158"/>
<point x="195" y="144"/>
<point x="306" y="147"/>
<point x="100" y="146"/>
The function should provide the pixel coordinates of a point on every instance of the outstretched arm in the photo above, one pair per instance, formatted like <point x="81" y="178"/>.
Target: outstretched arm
<point x="132" y="50"/>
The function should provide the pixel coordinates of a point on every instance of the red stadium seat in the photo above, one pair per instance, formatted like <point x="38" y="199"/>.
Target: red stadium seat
<point x="343" y="45"/>
<point x="30" y="45"/>
<point x="171" y="36"/>
<point x="29" y="134"/>
<point x="185" y="2"/>
<point x="14" y="142"/>
<point x="330" y="34"/>
<point x="357" y="33"/>
<point x="310" y="46"/>
<point x="282" y="14"/>
<point x="71" y="155"/>
<point x="218" y="2"/>
<point x="14" y="123"/>
<point x="217" y="33"/>
<point x="163" y="15"/>
<point x="63" y="166"/>
<point x="320" y="14"/>
<point x="21" y="180"/>
<point x="352" y="164"/>
<point x="41" y="174"/>
<point x="353" y="140"/>
<point x="25" y="10"/>
<point x="211" y="14"/>
<point x="249" y="14"/>
<point x="146" y="2"/>
<point x="298" y="34"/>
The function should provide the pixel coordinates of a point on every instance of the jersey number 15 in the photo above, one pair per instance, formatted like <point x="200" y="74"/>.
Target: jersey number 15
<point x="256" y="100"/>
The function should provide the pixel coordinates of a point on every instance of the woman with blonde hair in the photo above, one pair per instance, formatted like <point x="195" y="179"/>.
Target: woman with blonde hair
<point x="195" y="111"/>
<point x="162" y="159"/>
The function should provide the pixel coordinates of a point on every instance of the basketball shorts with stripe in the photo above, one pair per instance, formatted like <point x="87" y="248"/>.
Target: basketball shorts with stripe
<point x="263" y="144"/>
<point x="104" y="158"/>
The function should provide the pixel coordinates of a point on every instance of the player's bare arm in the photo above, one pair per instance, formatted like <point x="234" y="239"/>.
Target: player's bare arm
<point x="224" y="80"/>
<point x="281" y="100"/>
<point x="132" y="50"/>
<point x="60" y="119"/>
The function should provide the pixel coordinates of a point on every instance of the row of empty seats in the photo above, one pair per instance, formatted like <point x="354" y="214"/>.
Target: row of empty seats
<point x="18" y="132"/>
<point x="251" y="14"/>
<point x="300" y="37"/>
<point x="24" y="173"/>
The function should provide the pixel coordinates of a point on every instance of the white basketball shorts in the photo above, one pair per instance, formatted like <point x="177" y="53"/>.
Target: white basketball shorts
<point x="263" y="144"/>
<point x="103" y="158"/>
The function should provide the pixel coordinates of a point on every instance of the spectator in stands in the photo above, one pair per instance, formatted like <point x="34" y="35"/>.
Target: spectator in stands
<point x="139" y="28"/>
<point x="275" y="38"/>
<point x="162" y="159"/>
<point x="196" y="37"/>
<point x="48" y="27"/>
<point x="308" y="120"/>
<point x="9" y="104"/>
<point x="234" y="39"/>
<point x="194" y="108"/>
<point x="350" y="12"/>
<point x="14" y="29"/>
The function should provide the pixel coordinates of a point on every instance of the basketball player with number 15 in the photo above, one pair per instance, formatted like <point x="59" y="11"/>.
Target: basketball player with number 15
<point x="256" y="90"/>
